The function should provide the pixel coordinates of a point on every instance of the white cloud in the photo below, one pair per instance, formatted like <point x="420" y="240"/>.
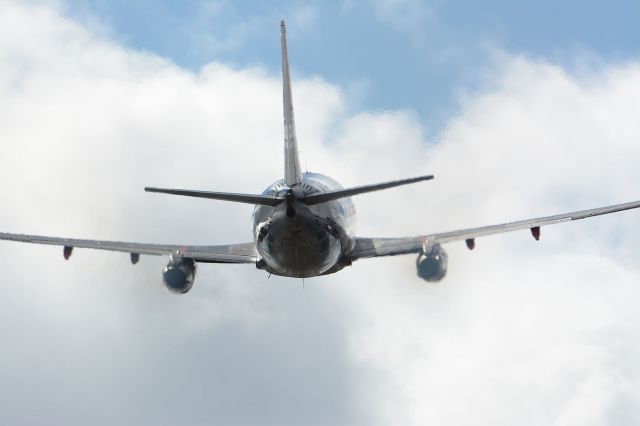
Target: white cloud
<point x="86" y="125"/>
<point x="520" y="332"/>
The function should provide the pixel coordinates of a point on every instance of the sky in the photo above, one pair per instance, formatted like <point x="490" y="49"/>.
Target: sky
<point x="388" y="54"/>
<point x="518" y="110"/>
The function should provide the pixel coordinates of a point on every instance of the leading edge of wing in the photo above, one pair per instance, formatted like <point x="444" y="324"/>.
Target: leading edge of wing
<point x="230" y="253"/>
<point x="374" y="247"/>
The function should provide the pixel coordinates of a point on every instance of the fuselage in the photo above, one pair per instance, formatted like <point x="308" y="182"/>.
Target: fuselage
<point x="297" y="240"/>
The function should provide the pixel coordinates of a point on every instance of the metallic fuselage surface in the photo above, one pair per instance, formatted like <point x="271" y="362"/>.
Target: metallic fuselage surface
<point x="297" y="240"/>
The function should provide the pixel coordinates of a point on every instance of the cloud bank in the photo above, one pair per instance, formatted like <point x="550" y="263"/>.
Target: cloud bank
<point x="520" y="332"/>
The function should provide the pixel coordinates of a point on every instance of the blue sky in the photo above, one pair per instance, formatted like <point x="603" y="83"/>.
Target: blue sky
<point x="386" y="54"/>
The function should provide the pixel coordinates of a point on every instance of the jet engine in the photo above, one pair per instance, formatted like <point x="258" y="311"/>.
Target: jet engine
<point x="180" y="274"/>
<point x="432" y="263"/>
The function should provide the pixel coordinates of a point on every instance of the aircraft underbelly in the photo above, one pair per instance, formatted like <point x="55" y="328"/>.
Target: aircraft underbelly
<point x="301" y="247"/>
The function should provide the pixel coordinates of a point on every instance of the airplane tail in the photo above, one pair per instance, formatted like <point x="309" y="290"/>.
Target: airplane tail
<point x="273" y="201"/>
<point x="323" y="197"/>
<point x="292" y="172"/>
<point x="224" y="196"/>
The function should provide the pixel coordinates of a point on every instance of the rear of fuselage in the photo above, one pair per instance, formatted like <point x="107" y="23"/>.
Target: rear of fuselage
<point x="297" y="240"/>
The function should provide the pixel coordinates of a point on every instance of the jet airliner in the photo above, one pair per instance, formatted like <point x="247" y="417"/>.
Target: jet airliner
<point x="304" y="225"/>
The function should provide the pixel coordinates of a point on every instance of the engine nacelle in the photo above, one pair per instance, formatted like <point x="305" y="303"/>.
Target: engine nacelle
<point x="432" y="263"/>
<point x="180" y="274"/>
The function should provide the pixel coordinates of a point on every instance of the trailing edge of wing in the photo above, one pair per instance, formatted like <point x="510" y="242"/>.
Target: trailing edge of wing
<point x="231" y="253"/>
<point x="464" y="234"/>
<point x="224" y="196"/>
<point x="334" y="195"/>
<point x="374" y="247"/>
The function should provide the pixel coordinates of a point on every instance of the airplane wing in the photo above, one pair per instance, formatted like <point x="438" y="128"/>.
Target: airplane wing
<point x="375" y="247"/>
<point x="232" y="253"/>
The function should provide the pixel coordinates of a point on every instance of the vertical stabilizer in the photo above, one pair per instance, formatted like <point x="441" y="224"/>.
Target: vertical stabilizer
<point x="292" y="173"/>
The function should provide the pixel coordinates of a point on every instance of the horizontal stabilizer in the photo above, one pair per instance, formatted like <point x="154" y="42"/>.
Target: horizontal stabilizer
<point x="225" y="196"/>
<point x="334" y="195"/>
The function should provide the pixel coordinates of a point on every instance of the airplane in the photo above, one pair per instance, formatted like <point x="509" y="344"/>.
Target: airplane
<point x="304" y="225"/>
